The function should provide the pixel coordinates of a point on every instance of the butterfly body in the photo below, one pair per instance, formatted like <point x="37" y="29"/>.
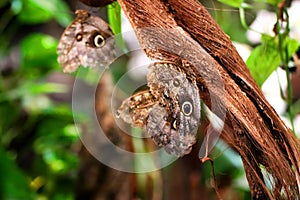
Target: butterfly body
<point x="87" y="41"/>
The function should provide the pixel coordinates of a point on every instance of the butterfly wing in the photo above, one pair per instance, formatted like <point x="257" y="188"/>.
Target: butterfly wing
<point x="67" y="48"/>
<point x="87" y="41"/>
<point x="169" y="110"/>
<point x="178" y="122"/>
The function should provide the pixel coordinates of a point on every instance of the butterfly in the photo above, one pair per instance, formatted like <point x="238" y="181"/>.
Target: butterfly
<point x="87" y="41"/>
<point x="168" y="111"/>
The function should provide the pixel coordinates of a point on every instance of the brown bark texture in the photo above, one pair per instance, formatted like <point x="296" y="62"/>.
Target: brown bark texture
<point x="269" y="149"/>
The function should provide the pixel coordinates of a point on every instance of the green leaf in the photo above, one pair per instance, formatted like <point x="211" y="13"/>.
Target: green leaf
<point x="114" y="17"/>
<point x="265" y="58"/>
<point x="33" y="88"/>
<point x="115" y="21"/>
<point x="37" y="11"/>
<point x="13" y="182"/>
<point x="292" y="46"/>
<point x="38" y="54"/>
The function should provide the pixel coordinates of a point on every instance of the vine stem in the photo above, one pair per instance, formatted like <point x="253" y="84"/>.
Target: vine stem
<point x="283" y="52"/>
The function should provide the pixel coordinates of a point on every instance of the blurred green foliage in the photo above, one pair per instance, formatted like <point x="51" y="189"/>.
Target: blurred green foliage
<point x="35" y="11"/>
<point x="38" y="138"/>
<point x="14" y="183"/>
<point x="41" y="59"/>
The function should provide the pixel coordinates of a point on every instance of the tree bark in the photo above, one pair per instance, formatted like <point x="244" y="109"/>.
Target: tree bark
<point x="252" y="127"/>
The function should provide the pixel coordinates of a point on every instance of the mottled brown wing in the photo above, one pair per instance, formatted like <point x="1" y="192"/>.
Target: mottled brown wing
<point x="172" y="118"/>
<point x="88" y="41"/>
<point x="135" y="109"/>
<point x="182" y="112"/>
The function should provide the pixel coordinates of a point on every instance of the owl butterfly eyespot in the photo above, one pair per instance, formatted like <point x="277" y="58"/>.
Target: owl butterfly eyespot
<point x="172" y="117"/>
<point x="187" y="108"/>
<point x="99" y="41"/>
<point x="87" y="41"/>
